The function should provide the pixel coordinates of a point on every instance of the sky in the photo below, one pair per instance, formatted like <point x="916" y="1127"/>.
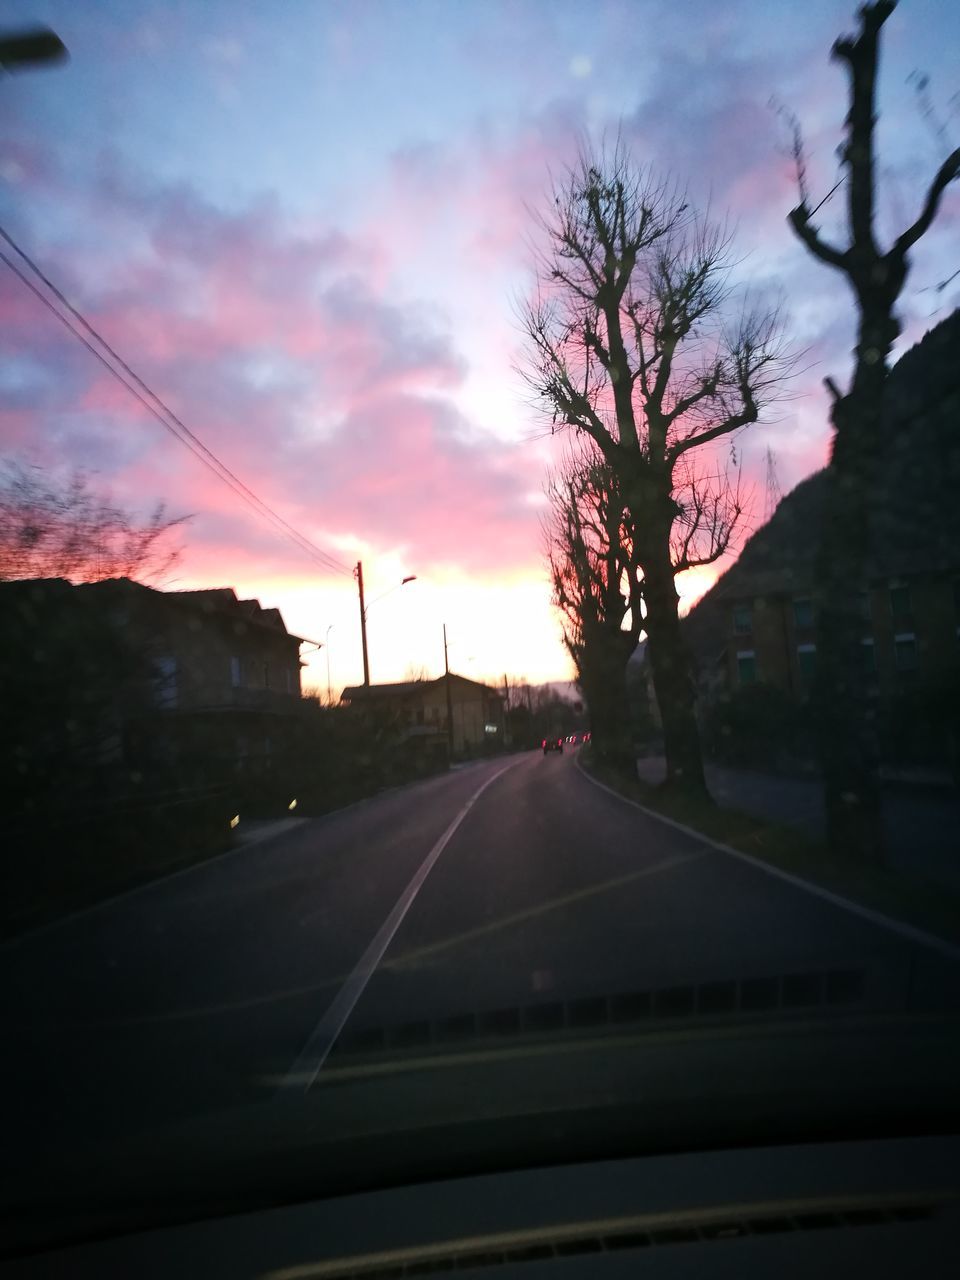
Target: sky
<point x="308" y="226"/>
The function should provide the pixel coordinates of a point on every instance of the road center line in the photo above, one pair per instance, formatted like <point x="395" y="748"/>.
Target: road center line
<point x="305" y="1070"/>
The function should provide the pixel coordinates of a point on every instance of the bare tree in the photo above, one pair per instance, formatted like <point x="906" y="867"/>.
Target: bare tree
<point x="876" y="277"/>
<point x="64" y="529"/>
<point x="638" y="341"/>
<point x="417" y="671"/>
<point x="597" y="589"/>
<point x="710" y="506"/>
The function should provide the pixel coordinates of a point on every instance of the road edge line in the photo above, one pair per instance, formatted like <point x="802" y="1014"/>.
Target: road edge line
<point x="309" y="1061"/>
<point x="909" y="931"/>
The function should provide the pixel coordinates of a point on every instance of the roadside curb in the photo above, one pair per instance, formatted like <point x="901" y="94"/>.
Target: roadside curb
<point x="908" y="931"/>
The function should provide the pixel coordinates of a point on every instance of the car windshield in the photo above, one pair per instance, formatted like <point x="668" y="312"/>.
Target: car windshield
<point x="479" y="586"/>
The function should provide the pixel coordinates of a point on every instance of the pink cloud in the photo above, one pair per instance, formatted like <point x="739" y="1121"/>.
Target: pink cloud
<point x="329" y="397"/>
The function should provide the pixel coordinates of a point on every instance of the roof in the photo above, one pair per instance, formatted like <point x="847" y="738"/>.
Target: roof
<point x="400" y="689"/>
<point x="408" y="688"/>
<point x="217" y="599"/>
<point x="213" y="595"/>
<point x="225" y="598"/>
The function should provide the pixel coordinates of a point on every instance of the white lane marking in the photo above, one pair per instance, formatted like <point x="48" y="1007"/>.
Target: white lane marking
<point x="909" y="931"/>
<point x="307" y="1067"/>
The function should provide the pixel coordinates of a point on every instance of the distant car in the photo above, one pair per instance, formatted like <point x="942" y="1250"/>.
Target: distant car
<point x="552" y="744"/>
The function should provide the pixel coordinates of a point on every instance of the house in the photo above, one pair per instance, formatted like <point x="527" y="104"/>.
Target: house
<point x="193" y="682"/>
<point x="229" y="654"/>
<point x="417" y="712"/>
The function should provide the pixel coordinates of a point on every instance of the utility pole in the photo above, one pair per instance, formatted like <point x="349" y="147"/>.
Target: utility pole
<point x="358" y="574"/>
<point x="329" y="690"/>
<point x="446" y="672"/>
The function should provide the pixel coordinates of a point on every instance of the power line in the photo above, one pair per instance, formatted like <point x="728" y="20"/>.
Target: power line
<point x="164" y="414"/>
<point x="187" y="438"/>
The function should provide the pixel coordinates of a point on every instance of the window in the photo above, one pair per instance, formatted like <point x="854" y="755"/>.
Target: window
<point x="803" y="614"/>
<point x="865" y="605"/>
<point x="868" y="656"/>
<point x="900" y="602"/>
<point x="235" y="673"/>
<point x="905" y="651"/>
<point x="746" y="666"/>
<point x="742" y="619"/>
<point x="165" y="682"/>
<point x="807" y="661"/>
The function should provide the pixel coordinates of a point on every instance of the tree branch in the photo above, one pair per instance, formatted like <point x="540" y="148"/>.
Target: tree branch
<point x="733" y="423"/>
<point x="947" y="173"/>
<point x="799" y="219"/>
<point x="708" y="388"/>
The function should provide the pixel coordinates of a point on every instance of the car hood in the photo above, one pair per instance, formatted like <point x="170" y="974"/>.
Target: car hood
<point x="405" y="1117"/>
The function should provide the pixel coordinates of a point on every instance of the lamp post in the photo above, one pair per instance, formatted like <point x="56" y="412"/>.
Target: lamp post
<point x="326" y="642"/>
<point x="358" y="574"/>
<point x="446" y="673"/>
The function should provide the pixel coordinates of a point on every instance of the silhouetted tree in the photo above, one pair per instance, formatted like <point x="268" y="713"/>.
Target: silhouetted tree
<point x="637" y="341"/>
<point x="596" y="587"/>
<point x="876" y="276"/>
<point x="63" y="529"/>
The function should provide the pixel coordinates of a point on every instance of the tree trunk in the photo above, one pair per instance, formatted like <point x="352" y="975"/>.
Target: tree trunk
<point x="846" y="719"/>
<point x="605" y="689"/>
<point x="672" y="683"/>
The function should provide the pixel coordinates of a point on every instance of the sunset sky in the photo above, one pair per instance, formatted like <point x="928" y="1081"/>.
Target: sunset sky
<point x="308" y="224"/>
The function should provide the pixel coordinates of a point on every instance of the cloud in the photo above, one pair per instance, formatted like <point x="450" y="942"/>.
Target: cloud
<point x="352" y="361"/>
<point x="282" y="350"/>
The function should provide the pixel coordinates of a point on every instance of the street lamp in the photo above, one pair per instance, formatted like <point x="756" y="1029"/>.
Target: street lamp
<point x="376" y="599"/>
<point x="30" y="47"/>
<point x="358" y="574"/>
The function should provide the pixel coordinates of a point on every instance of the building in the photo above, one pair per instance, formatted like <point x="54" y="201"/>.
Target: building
<point x="227" y="653"/>
<point x="910" y="633"/>
<point x="417" y="711"/>
<point x="190" y="681"/>
<point x="758" y="623"/>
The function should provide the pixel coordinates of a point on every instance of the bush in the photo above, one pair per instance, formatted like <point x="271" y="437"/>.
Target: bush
<point x="759" y="726"/>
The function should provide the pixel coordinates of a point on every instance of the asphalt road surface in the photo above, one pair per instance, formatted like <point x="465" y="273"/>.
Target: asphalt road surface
<point x="509" y="894"/>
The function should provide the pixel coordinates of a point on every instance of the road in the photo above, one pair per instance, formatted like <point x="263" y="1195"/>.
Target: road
<point x="547" y="898"/>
